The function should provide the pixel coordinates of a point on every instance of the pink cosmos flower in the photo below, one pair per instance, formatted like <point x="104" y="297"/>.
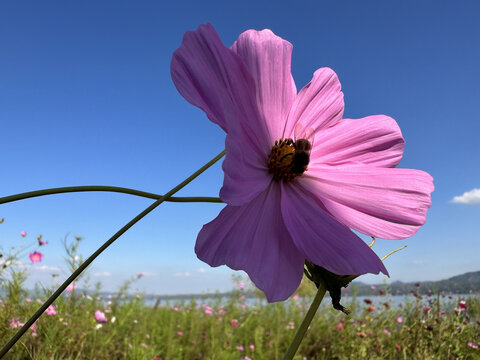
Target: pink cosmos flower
<point x="463" y="304"/>
<point x="71" y="287"/>
<point x="16" y="323"/>
<point x="279" y="210"/>
<point x="399" y="319"/>
<point x="51" y="310"/>
<point x="35" y="257"/>
<point x="23" y="233"/>
<point x="40" y="241"/>
<point x="100" y="317"/>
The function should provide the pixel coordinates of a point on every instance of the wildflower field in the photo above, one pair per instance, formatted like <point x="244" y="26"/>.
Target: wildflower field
<point x="85" y="325"/>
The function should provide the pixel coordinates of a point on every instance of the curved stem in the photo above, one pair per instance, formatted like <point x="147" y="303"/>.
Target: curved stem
<point x="292" y="349"/>
<point x="69" y="189"/>
<point x="92" y="257"/>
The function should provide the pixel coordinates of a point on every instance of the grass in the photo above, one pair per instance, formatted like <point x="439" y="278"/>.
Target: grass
<point x="237" y="328"/>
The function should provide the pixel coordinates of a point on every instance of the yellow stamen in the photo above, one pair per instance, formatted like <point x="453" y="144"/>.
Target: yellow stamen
<point x="393" y="252"/>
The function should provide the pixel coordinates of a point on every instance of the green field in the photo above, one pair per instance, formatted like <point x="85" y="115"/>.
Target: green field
<point x="84" y="325"/>
<point x="235" y="330"/>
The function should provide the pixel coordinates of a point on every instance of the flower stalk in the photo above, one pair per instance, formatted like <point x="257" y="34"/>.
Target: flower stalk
<point x="92" y="257"/>
<point x="70" y="189"/>
<point x="292" y="349"/>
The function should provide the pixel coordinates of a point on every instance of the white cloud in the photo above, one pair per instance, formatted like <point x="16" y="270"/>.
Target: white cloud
<point x="202" y="270"/>
<point x="47" y="268"/>
<point x="469" y="197"/>
<point x="102" y="274"/>
<point x="182" y="274"/>
<point x="418" y="262"/>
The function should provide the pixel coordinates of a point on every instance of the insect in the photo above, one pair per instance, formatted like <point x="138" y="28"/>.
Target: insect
<point x="303" y="146"/>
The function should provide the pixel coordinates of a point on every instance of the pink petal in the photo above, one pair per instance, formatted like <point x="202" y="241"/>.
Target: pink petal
<point x="381" y="202"/>
<point x="374" y="140"/>
<point x="322" y="239"/>
<point x="215" y="79"/>
<point x="212" y="77"/>
<point x="268" y="58"/>
<point x="253" y="238"/>
<point x="245" y="176"/>
<point x="318" y="105"/>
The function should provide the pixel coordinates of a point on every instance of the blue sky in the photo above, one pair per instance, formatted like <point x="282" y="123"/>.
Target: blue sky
<point x="86" y="98"/>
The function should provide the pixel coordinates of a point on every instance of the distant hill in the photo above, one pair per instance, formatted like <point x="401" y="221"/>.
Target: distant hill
<point x="460" y="284"/>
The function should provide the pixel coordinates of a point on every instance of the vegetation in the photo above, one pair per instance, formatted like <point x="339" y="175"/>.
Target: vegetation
<point x="84" y="325"/>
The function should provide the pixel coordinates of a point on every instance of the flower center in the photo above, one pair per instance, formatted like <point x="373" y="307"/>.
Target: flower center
<point x="288" y="159"/>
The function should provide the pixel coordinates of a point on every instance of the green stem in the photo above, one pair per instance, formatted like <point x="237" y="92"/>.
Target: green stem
<point x="92" y="257"/>
<point x="69" y="189"/>
<point x="292" y="349"/>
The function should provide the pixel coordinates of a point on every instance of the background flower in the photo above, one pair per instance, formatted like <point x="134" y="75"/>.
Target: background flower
<point x="35" y="257"/>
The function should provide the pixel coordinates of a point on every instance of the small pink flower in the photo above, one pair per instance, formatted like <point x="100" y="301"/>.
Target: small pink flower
<point x="147" y="336"/>
<point x="240" y="348"/>
<point x="361" y="334"/>
<point x="241" y="285"/>
<point x="23" y="233"/>
<point x="291" y="325"/>
<point x="233" y="323"/>
<point x="472" y="345"/>
<point x="386" y="331"/>
<point x="28" y="300"/>
<point x="144" y="345"/>
<point x="35" y="257"/>
<point x="295" y="297"/>
<point x="158" y="358"/>
<point x="426" y="309"/>
<point x="463" y="304"/>
<point x="399" y="319"/>
<point x="174" y="308"/>
<point x="373" y="287"/>
<point x="179" y="333"/>
<point x="16" y="323"/>
<point x="246" y="358"/>
<point x="40" y="241"/>
<point x="252" y="347"/>
<point x="339" y="326"/>
<point x="139" y="275"/>
<point x="398" y="347"/>
<point x="100" y="317"/>
<point x="208" y="310"/>
<point x="51" y="310"/>
<point x="71" y="287"/>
